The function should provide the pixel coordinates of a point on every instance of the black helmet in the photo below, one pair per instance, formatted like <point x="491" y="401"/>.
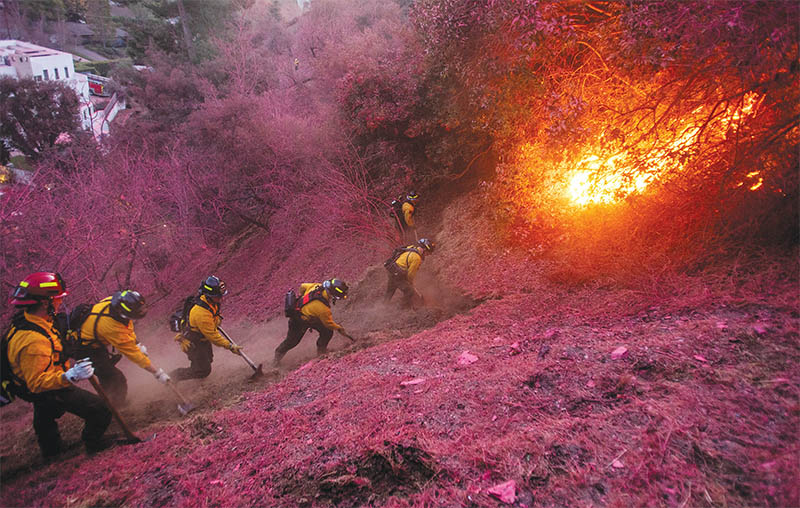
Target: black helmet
<point x="337" y="288"/>
<point x="426" y="244"/>
<point x="412" y="196"/>
<point x="213" y="286"/>
<point x="128" y="304"/>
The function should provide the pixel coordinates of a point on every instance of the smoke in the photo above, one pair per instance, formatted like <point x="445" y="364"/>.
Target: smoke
<point x="364" y="315"/>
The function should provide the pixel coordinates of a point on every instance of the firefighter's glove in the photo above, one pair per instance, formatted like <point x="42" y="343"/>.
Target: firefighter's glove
<point x="81" y="370"/>
<point x="142" y="348"/>
<point x="186" y="345"/>
<point x="237" y="350"/>
<point x="161" y="376"/>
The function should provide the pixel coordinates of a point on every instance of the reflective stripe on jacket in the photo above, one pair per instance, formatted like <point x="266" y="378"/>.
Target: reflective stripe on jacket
<point x="207" y="322"/>
<point x="409" y="262"/>
<point x="35" y="360"/>
<point x="111" y="332"/>
<point x="316" y="309"/>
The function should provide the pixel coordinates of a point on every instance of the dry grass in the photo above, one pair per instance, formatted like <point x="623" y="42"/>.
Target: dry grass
<point x="702" y="411"/>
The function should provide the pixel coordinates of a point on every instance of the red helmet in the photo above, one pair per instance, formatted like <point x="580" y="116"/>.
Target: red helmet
<point x="38" y="287"/>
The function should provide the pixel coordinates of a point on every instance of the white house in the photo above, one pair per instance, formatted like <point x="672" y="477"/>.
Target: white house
<point x="25" y="60"/>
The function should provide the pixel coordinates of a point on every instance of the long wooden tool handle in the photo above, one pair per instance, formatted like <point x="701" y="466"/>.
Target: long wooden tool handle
<point x="177" y="393"/>
<point x="128" y="433"/>
<point x="241" y="353"/>
<point x="248" y="360"/>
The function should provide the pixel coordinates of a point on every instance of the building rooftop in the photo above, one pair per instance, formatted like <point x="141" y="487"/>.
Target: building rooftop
<point x="12" y="47"/>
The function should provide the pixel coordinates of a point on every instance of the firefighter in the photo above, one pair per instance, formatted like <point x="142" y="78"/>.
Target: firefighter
<point x="404" y="216"/>
<point x="313" y="310"/>
<point x="403" y="267"/>
<point x="204" y="319"/>
<point x="110" y="324"/>
<point x="41" y="374"/>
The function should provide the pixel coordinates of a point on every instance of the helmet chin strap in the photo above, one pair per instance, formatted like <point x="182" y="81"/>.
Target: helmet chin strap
<point x="51" y="309"/>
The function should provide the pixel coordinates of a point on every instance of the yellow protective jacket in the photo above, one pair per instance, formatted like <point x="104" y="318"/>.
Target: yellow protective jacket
<point x="35" y="360"/>
<point x="408" y="214"/>
<point x="207" y="323"/>
<point x="316" y="309"/>
<point x="111" y="332"/>
<point x="409" y="261"/>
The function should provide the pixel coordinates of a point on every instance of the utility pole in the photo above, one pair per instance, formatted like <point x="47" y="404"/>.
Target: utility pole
<point x="187" y="35"/>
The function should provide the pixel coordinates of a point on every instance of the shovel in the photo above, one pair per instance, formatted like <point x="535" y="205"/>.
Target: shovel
<point x="130" y="437"/>
<point x="257" y="372"/>
<point x="184" y="407"/>
<point x="348" y="336"/>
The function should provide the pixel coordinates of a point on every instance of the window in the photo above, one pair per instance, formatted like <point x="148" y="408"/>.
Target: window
<point x="55" y="72"/>
<point x="44" y="73"/>
<point x="37" y="78"/>
<point x="66" y="72"/>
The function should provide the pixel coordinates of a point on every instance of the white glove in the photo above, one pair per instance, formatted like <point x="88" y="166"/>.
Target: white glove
<point x="81" y="370"/>
<point x="161" y="376"/>
<point x="142" y="348"/>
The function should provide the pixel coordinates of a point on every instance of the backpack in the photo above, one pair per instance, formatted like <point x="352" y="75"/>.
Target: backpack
<point x="391" y="265"/>
<point x="69" y="327"/>
<point x="11" y="386"/>
<point x="77" y="317"/>
<point x="292" y="305"/>
<point x="397" y="210"/>
<point x="179" y="320"/>
<point x="289" y="303"/>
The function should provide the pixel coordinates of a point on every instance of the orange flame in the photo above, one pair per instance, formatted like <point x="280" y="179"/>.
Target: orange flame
<point x="598" y="181"/>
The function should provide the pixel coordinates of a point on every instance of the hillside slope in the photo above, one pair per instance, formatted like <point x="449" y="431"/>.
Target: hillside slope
<point x="507" y="377"/>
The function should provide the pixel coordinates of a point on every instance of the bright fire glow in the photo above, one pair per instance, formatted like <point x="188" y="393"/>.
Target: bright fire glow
<point x="756" y="185"/>
<point x="592" y="186"/>
<point x="604" y="181"/>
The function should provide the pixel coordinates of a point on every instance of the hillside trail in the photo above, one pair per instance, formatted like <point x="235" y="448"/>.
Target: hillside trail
<point x="150" y="405"/>
<point x="697" y="381"/>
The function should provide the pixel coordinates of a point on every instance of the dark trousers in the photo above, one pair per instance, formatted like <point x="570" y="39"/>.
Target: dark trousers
<point x="50" y="406"/>
<point x="399" y="281"/>
<point x="298" y="328"/>
<point x="112" y="380"/>
<point x="200" y="355"/>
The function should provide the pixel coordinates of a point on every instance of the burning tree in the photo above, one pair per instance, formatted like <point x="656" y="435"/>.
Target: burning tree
<point x="615" y="120"/>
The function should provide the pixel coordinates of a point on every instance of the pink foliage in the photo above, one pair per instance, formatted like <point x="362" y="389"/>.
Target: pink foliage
<point x="260" y="180"/>
<point x="341" y="432"/>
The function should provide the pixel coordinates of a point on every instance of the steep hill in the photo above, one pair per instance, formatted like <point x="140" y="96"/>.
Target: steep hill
<point x="683" y="392"/>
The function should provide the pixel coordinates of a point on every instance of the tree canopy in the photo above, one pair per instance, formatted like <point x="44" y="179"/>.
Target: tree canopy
<point x="654" y="128"/>
<point x="33" y="114"/>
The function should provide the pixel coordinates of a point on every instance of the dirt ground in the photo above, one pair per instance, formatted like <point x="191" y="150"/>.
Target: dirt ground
<point x="684" y="395"/>
<point x="149" y="404"/>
